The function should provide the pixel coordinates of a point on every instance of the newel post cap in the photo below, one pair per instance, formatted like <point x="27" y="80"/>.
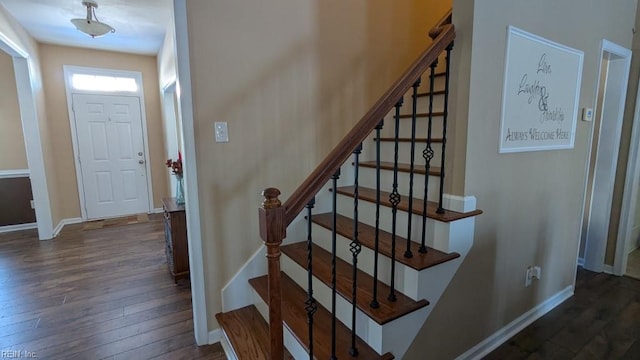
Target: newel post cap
<point x="271" y="200"/>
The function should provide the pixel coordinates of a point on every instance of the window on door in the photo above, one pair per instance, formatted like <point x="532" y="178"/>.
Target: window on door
<point x="102" y="83"/>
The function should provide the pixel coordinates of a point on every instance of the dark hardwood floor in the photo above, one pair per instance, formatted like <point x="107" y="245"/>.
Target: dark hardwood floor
<point x="97" y="291"/>
<point x="601" y="321"/>
<point x="103" y="291"/>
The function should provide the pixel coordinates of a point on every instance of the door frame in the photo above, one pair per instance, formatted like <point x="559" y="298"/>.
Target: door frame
<point x="192" y="206"/>
<point x="24" y="67"/>
<point x="595" y="249"/>
<point x="629" y="195"/>
<point x="70" y="70"/>
<point x="170" y="124"/>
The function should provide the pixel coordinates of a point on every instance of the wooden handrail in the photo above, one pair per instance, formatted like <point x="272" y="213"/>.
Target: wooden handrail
<point x="437" y="29"/>
<point x="318" y="178"/>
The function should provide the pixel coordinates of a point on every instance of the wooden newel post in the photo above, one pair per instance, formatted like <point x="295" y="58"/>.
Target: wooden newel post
<point x="272" y="232"/>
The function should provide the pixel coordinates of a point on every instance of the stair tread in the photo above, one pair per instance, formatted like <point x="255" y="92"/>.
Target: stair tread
<point x="248" y="333"/>
<point x="427" y="93"/>
<point x="419" y="261"/>
<point x="388" y="310"/>
<point x="422" y="115"/>
<point x="295" y="318"/>
<point x="388" y="165"/>
<point x="369" y="195"/>
<point x="407" y="139"/>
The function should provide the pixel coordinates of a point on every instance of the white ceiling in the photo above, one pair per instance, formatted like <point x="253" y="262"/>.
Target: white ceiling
<point x="140" y="24"/>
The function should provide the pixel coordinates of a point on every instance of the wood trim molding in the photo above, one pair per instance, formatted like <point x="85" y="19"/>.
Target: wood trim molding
<point x="10" y="228"/>
<point x="8" y="174"/>
<point x="64" y="222"/>
<point x="196" y="258"/>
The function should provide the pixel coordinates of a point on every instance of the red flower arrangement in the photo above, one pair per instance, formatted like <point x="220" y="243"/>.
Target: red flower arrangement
<point x="175" y="166"/>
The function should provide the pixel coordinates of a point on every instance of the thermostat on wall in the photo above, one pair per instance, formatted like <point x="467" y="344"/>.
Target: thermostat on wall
<point x="587" y="114"/>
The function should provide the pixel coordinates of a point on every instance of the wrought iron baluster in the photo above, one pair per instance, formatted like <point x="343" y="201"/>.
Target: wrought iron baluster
<point x="394" y="199"/>
<point x="355" y="247"/>
<point x="334" y="193"/>
<point x="444" y="125"/>
<point x="374" y="301"/>
<point x="311" y="305"/>
<point x="407" y="252"/>
<point x="427" y="154"/>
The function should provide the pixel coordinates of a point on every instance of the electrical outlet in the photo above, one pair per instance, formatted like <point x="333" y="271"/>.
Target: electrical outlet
<point x="33" y="205"/>
<point x="533" y="273"/>
<point x="222" y="133"/>
<point x="536" y="273"/>
<point x="528" y="277"/>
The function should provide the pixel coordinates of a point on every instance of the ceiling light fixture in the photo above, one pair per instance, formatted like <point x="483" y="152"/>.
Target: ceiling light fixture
<point x="91" y="25"/>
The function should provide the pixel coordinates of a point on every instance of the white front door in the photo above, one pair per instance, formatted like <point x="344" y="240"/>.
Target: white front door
<point x="111" y="155"/>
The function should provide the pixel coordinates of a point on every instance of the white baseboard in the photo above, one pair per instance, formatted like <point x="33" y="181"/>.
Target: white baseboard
<point x="157" y="211"/>
<point x="214" y="336"/>
<point x="64" y="222"/>
<point x="18" y="227"/>
<point x="501" y="336"/>
<point x="608" y="269"/>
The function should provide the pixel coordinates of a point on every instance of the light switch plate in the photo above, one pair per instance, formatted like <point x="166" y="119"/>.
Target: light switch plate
<point x="222" y="133"/>
<point x="587" y="114"/>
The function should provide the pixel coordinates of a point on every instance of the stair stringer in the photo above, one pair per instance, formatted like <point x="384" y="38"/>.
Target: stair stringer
<point x="237" y="293"/>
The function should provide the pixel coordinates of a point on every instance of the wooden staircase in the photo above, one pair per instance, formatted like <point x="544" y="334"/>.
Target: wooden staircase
<point x="311" y="301"/>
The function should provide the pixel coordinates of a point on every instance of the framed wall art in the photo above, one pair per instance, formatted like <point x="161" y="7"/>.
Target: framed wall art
<point x="540" y="94"/>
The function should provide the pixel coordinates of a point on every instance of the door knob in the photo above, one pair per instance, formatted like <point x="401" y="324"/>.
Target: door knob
<point x="140" y="161"/>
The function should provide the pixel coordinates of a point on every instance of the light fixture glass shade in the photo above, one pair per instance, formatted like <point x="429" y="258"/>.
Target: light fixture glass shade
<point x="91" y="27"/>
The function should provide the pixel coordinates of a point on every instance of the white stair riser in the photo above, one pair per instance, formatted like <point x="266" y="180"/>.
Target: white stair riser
<point x="367" y="329"/>
<point x="322" y="238"/>
<point x="394" y="337"/>
<point x="367" y="179"/>
<point x="387" y="153"/>
<point x="453" y="237"/>
<point x="322" y="293"/>
<point x="422" y="104"/>
<point x="367" y="211"/>
<point x="388" y="130"/>
<point x="439" y="83"/>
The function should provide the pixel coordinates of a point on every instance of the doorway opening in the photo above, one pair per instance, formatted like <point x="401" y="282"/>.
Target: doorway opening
<point x="611" y="94"/>
<point x="172" y="128"/>
<point x="109" y="136"/>
<point x="23" y="67"/>
<point x="627" y="254"/>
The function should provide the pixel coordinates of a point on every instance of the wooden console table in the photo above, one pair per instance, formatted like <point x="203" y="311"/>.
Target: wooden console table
<point x="175" y="234"/>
